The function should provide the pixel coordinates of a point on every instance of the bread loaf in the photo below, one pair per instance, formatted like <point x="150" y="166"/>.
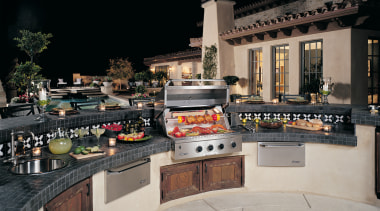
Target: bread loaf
<point x="301" y="122"/>
<point x="316" y="122"/>
<point x="309" y="124"/>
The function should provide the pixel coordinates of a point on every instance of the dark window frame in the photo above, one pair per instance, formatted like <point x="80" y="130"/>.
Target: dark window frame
<point x="253" y="72"/>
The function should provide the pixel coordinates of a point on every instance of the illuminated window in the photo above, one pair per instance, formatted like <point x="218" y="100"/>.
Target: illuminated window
<point x="312" y="66"/>
<point x="256" y="72"/>
<point x="280" y="70"/>
<point x="373" y="71"/>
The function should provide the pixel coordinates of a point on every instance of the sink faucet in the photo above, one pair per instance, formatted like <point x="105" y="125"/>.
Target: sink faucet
<point x="17" y="147"/>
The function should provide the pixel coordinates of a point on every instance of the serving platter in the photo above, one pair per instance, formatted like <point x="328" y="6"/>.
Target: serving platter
<point x="305" y="127"/>
<point x="68" y="112"/>
<point x="146" y="138"/>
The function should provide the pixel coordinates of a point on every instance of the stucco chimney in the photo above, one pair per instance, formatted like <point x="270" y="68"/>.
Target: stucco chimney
<point x="219" y="17"/>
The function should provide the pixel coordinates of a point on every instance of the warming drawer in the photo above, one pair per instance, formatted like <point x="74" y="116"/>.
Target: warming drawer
<point x="127" y="178"/>
<point x="281" y="154"/>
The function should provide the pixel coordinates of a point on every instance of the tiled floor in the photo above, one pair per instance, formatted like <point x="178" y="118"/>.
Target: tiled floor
<point x="272" y="202"/>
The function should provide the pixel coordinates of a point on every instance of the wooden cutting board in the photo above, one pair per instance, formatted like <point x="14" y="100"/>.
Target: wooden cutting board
<point x="305" y="127"/>
<point x="89" y="155"/>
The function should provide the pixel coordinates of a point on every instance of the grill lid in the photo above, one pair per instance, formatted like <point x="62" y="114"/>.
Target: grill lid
<point x="189" y="94"/>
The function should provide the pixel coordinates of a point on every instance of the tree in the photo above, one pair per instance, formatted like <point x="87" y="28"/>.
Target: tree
<point x="210" y="63"/>
<point x="120" y="69"/>
<point x="32" y="44"/>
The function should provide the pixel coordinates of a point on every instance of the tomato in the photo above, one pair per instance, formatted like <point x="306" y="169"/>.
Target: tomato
<point x="140" y="135"/>
<point x="120" y="136"/>
<point x="215" y="130"/>
<point x="178" y="134"/>
<point x="175" y="130"/>
<point x="183" y="133"/>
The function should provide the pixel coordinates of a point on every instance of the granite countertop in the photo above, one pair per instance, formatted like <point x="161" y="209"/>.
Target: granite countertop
<point x="31" y="192"/>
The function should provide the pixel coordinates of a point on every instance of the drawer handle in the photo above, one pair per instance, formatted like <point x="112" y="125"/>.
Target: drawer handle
<point x="205" y="168"/>
<point x="269" y="145"/>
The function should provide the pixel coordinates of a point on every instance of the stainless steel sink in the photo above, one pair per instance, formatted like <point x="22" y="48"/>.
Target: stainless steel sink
<point x="38" y="166"/>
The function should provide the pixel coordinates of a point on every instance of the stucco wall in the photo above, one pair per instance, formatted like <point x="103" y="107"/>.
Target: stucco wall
<point x="336" y="62"/>
<point x="332" y="170"/>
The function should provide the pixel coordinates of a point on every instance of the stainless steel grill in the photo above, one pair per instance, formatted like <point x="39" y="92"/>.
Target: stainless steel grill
<point x="197" y="111"/>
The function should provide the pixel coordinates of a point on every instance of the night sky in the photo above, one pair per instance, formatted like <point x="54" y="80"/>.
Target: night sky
<point x="86" y="34"/>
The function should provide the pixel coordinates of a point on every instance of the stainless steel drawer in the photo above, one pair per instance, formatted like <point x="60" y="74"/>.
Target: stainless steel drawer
<point x="127" y="178"/>
<point x="281" y="154"/>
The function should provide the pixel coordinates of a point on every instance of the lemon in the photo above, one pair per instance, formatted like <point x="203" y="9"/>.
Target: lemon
<point x="84" y="152"/>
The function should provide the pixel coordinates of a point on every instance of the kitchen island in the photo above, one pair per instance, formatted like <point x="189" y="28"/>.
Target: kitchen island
<point x="339" y="163"/>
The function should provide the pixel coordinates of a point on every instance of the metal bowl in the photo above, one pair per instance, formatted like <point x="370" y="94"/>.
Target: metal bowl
<point x="38" y="166"/>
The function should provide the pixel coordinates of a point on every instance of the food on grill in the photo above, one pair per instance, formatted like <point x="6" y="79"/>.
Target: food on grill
<point x="197" y="130"/>
<point x="218" y="126"/>
<point x="209" y="118"/>
<point x="190" y="120"/>
<point x="200" y="119"/>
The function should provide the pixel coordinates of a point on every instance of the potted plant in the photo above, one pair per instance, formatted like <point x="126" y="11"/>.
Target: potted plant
<point x="139" y="77"/>
<point x="107" y="81"/>
<point x="140" y="89"/>
<point x="131" y="82"/>
<point x="147" y="78"/>
<point x="32" y="44"/>
<point x="155" y="81"/>
<point x="96" y="80"/>
<point x="231" y="80"/>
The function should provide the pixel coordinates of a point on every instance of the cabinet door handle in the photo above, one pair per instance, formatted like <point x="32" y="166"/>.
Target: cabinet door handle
<point x="88" y="189"/>
<point x="197" y="169"/>
<point x="205" y="168"/>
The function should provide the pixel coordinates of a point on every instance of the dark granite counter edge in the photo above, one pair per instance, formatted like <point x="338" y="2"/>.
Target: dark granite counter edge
<point x="60" y="181"/>
<point x="72" y="174"/>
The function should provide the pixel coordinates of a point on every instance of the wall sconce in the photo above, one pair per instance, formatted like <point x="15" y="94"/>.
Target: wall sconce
<point x="139" y="105"/>
<point x="112" y="142"/>
<point x="275" y="101"/>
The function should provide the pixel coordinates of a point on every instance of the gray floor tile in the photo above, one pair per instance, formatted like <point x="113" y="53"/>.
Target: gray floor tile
<point x="198" y="205"/>
<point x="323" y="203"/>
<point x="242" y="200"/>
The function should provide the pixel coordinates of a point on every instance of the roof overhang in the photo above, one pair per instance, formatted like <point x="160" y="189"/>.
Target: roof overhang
<point x="320" y="18"/>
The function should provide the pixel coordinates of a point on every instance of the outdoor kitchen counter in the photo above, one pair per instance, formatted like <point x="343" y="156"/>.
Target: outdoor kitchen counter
<point x="31" y="192"/>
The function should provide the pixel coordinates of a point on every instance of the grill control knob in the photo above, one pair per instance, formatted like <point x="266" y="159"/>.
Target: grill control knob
<point x="233" y="144"/>
<point x="210" y="147"/>
<point x="221" y="146"/>
<point x="199" y="149"/>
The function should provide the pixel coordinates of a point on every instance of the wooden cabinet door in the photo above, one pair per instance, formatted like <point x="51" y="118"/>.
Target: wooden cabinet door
<point x="76" y="198"/>
<point x="180" y="180"/>
<point x="221" y="173"/>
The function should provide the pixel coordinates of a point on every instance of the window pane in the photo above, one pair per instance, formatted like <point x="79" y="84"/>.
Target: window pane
<point x="256" y="72"/>
<point x="312" y="69"/>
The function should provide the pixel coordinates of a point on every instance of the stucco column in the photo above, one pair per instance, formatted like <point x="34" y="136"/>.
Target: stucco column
<point x="219" y="17"/>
